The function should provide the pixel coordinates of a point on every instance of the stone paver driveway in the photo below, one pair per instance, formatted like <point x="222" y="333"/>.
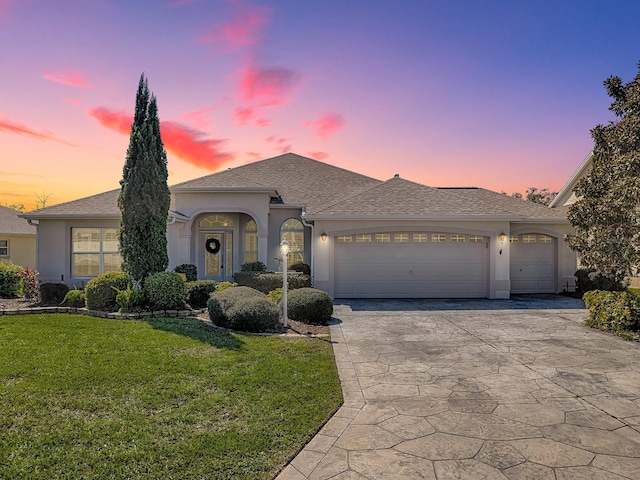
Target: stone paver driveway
<point x="515" y="389"/>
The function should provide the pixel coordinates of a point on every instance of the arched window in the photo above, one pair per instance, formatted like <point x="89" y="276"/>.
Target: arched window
<point x="250" y="242"/>
<point x="292" y="231"/>
<point x="216" y="221"/>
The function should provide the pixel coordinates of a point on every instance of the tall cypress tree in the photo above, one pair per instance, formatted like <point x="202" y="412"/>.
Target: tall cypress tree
<point x="144" y="195"/>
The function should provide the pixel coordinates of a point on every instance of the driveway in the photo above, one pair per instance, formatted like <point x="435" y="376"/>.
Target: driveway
<point x="477" y="389"/>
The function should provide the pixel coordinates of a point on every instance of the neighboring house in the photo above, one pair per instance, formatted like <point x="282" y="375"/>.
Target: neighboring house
<point x="362" y="237"/>
<point x="17" y="238"/>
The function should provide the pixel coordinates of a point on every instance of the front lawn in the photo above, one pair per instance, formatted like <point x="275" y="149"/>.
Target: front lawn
<point x="85" y="397"/>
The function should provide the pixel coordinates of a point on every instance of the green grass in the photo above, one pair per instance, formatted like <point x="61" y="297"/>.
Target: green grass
<point x="84" y="397"/>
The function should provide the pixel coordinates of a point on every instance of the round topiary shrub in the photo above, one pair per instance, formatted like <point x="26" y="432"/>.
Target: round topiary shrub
<point x="221" y="301"/>
<point x="309" y="305"/>
<point x="199" y="292"/>
<point x="254" y="314"/>
<point x="301" y="267"/>
<point x="101" y="291"/>
<point x="165" y="291"/>
<point x="74" y="298"/>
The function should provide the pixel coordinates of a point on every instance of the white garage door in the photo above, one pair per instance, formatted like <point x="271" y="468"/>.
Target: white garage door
<point x="410" y="265"/>
<point x="532" y="264"/>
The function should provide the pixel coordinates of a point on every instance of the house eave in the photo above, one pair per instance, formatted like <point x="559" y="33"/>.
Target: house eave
<point x="457" y="218"/>
<point x="224" y="190"/>
<point x="71" y="216"/>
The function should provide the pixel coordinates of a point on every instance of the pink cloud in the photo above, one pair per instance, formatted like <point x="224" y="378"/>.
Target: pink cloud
<point x="318" y="155"/>
<point x="198" y="117"/>
<point x="242" y="30"/>
<point x="249" y="115"/>
<point x="184" y="142"/>
<point x="326" y="125"/>
<point x="8" y="126"/>
<point x="267" y="86"/>
<point x="72" y="79"/>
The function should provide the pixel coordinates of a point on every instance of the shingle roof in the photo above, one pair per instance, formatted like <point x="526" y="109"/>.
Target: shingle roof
<point x="11" y="224"/>
<point x="402" y="198"/>
<point x="297" y="179"/>
<point x="102" y="205"/>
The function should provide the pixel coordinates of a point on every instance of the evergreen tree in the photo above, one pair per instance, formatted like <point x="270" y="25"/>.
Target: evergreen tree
<point x="606" y="215"/>
<point x="144" y="196"/>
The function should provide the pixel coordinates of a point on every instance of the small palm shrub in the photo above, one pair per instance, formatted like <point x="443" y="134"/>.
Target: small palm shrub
<point x="165" y="291"/>
<point x="130" y="299"/>
<point x="190" y="271"/>
<point x="309" y="305"/>
<point x="53" y="293"/>
<point x="10" y="282"/>
<point x="30" y="285"/>
<point x="198" y="292"/>
<point x="74" y="298"/>
<point x="99" y="291"/>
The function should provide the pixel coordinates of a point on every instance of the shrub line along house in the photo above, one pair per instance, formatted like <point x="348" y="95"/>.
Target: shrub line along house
<point x="362" y="237"/>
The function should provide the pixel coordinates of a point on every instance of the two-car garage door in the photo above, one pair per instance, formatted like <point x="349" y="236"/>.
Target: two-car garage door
<point x="411" y="265"/>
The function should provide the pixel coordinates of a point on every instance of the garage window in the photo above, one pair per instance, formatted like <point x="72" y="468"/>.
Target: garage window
<point x="401" y="237"/>
<point x="363" y="238"/>
<point x="383" y="237"/>
<point x="545" y="239"/>
<point x="476" y="239"/>
<point x="344" y="239"/>
<point x="4" y="248"/>
<point x="528" y="239"/>
<point x="438" y="237"/>
<point x="514" y="239"/>
<point x="420" y="237"/>
<point x="455" y="238"/>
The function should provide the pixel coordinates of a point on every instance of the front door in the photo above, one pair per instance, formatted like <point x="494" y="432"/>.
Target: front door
<point x="217" y="255"/>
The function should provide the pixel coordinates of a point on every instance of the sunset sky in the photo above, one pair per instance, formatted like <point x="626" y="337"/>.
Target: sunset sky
<point x="497" y="94"/>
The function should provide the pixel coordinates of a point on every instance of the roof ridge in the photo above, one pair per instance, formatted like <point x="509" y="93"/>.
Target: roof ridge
<point x="38" y="210"/>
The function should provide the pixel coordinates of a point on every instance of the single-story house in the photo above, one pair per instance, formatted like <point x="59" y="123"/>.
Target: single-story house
<point x="362" y="237"/>
<point x="17" y="239"/>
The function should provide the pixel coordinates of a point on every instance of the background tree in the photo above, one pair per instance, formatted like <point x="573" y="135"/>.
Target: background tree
<point x="533" y="194"/>
<point x="606" y="215"/>
<point x="144" y="196"/>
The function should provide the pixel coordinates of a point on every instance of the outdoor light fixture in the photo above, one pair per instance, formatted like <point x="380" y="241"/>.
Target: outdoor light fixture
<point x="324" y="237"/>
<point x="502" y="237"/>
<point x="284" y="250"/>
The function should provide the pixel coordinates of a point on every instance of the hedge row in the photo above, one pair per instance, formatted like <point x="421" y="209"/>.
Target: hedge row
<point x="617" y="312"/>
<point x="266" y="282"/>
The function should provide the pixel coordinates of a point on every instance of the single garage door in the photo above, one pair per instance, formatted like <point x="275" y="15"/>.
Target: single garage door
<point x="533" y="263"/>
<point x="410" y="265"/>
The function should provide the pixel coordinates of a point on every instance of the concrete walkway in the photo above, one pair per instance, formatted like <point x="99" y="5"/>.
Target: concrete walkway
<point x="477" y="389"/>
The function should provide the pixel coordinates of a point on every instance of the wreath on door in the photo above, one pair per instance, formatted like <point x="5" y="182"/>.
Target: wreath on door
<point x="212" y="245"/>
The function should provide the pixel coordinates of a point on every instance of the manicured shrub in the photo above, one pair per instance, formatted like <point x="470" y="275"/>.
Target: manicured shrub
<point x="130" y="299"/>
<point x="165" y="291"/>
<point x="190" y="270"/>
<point x="225" y="309"/>
<point x="301" y="267"/>
<point x="617" y="312"/>
<point x="30" y="285"/>
<point x="587" y="280"/>
<point x="53" y="293"/>
<point x="276" y="295"/>
<point x="199" y="291"/>
<point x="268" y="281"/>
<point x="254" y="314"/>
<point x="309" y="305"/>
<point x="100" y="293"/>
<point x="74" y="298"/>
<point x="224" y="285"/>
<point x="10" y="282"/>
<point x="253" y="267"/>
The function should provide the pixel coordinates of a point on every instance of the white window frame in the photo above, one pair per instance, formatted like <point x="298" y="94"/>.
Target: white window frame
<point x="250" y="235"/>
<point x="476" y="239"/>
<point x="545" y="239"/>
<point x="529" y="238"/>
<point x="344" y="238"/>
<point x="438" y="237"/>
<point x="101" y="252"/>
<point x="401" y="238"/>
<point x="420" y="237"/>
<point x="383" y="238"/>
<point x="288" y="233"/>
<point x="363" y="238"/>
<point x="457" y="238"/>
<point x="4" y="248"/>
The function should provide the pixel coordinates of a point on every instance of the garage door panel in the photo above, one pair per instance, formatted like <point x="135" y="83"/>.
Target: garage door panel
<point x="410" y="270"/>
<point x="533" y="265"/>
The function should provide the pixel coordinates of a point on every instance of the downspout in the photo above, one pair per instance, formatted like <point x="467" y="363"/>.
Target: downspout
<point x="34" y="224"/>
<point x="313" y="250"/>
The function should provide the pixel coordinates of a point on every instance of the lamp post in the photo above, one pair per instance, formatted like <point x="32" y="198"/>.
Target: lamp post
<point x="284" y="250"/>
